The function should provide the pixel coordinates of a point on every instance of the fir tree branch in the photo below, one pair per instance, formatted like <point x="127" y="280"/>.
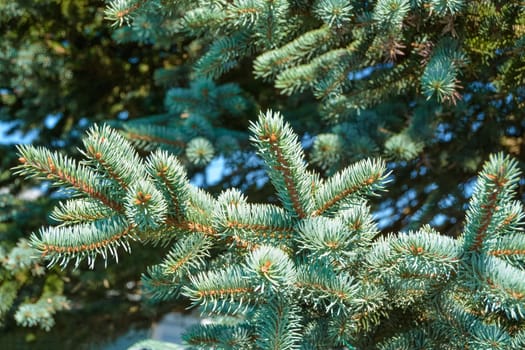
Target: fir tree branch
<point x="327" y="237"/>
<point x="278" y="326"/>
<point x="504" y="286"/>
<point x="63" y="171"/>
<point x="113" y="155"/>
<point x="369" y="306"/>
<point x="146" y="208"/>
<point x="223" y="55"/>
<point x="271" y="27"/>
<point x="60" y="245"/>
<point x="302" y="48"/>
<point x="322" y="287"/>
<point x="161" y="287"/>
<point x="120" y="11"/>
<point x="218" y="288"/>
<point x="172" y="179"/>
<point x="417" y="255"/>
<point x="255" y="224"/>
<point x="363" y="177"/>
<point x="220" y="336"/>
<point x="335" y="13"/>
<point x="191" y="226"/>
<point x="147" y="135"/>
<point x="279" y="147"/>
<point x="497" y="181"/>
<point x="186" y="255"/>
<point x="80" y="210"/>
<point x="359" y="221"/>
<point x="199" y="213"/>
<point x="270" y="270"/>
<point x="510" y="248"/>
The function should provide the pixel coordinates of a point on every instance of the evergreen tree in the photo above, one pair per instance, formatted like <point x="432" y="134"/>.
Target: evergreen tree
<point x="311" y="273"/>
<point x="432" y="86"/>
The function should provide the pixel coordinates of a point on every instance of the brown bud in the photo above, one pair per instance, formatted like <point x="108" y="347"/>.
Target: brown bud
<point x="266" y="267"/>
